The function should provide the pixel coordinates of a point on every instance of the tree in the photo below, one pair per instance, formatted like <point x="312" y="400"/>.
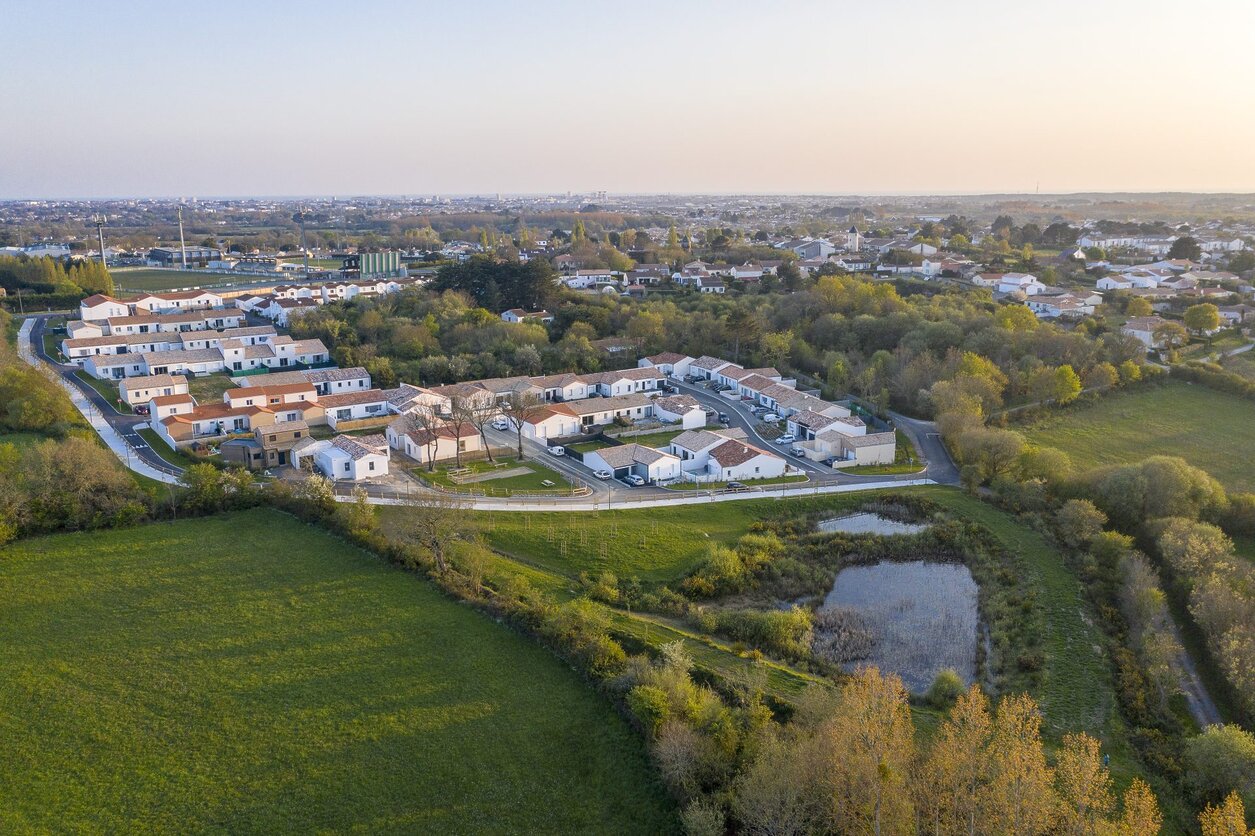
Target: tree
<point x="1221" y="760"/>
<point x="775" y="348"/>
<point x="1020" y="798"/>
<point x="870" y="747"/>
<point x="481" y="412"/>
<point x="1079" y="521"/>
<point x="1067" y="385"/>
<point x="955" y="775"/>
<point x="1141" y="816"/>
<point x="1229" y="819"/>
<point x="1202" y="319"/>
<point x="1170" y="335"/>
<point x="463" y="410"/>
<point x="435" y="522"/>
<point x="1186" y="247"/>
<point x="519" y="409"/>
<point x="1016" y="318"/>
<point x="1084" y="785"/>
<point x="1138" y="306"/>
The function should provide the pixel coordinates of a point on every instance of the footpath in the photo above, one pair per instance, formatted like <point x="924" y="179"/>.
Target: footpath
<point x="112" y="439"/>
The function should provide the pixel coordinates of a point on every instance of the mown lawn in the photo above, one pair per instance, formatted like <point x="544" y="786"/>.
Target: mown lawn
<point x="656" y="440"/>
<point x="178" y="458"/>
<point x="209" y="388"/>
<point x="153" y="280"/>
<point x="1209" y="429"/>
<point x="589" y="446"/>
<point x="108" y="390"/>
<point x="248" y="673"/>
<point x="531" y="481"/>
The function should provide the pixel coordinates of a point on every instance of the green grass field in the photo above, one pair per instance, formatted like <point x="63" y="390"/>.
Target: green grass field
<point x="248" y="673"/>
<point x="656" y="440"/>
<point x="21" y="439"/>
<point x="1209" y="429"/>
<point x="209" y="389"/>
<point x="153" y="280"/>
<point x="531" y="481"/>
<point x="108" y="389"/>
<point x="589" y="446"/>
<point x="175" y="457"/>
<point x="664" y="544"/>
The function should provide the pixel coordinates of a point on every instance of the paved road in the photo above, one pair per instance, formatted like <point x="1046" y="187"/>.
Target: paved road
<point x="118" y="431"/>
<point x="940" y="468"/>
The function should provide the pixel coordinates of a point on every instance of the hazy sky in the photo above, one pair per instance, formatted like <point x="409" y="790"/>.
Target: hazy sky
<point x="277" y="98"/>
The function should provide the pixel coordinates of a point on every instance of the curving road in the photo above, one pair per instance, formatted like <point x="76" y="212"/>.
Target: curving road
<point x="119" y="431"/>
<point x="128" y="444"/>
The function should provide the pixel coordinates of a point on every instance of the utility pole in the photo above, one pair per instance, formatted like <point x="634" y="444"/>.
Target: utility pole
<point x="182" y="243"/>
<point x="100" y="234"/>
<point x="304" y="246"/>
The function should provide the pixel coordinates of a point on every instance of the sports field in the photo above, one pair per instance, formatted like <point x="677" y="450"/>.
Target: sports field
<point x="247" y="673"/>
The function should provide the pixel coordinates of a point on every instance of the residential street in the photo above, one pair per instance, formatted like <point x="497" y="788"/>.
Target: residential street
<point x="119" y="431"/>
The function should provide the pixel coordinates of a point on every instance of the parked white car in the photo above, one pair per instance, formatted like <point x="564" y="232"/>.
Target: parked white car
<point x="634" y="480"/>
<point x="602" y="474"/>
<point x="787" y="438"/>
<point x="557" y="450"/>
<point x="769" y="418"/>
<point x="500" y="424"/>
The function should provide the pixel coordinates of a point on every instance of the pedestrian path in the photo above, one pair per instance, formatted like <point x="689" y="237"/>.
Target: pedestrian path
<point x="112" y="439"/>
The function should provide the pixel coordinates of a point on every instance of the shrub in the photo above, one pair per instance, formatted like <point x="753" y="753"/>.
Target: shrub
<point x="946" y="688"/>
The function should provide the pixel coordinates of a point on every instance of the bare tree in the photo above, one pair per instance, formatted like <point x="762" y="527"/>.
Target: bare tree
<point x="520" y="408"/>
<point x="462" y="408"/>
<point x="428" y="421"/>
<point x="481" y="413"/>
<point x="435" y="521"/>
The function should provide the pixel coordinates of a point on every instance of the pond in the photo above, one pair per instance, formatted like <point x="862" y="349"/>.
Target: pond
<point x="866" y="522"/>
<point x="914" y="619"/>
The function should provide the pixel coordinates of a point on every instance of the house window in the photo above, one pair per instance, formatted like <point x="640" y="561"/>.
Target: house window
<point x="344" y="414"/>
<point x="370" y="465"/>
<point x="346" y="467"/>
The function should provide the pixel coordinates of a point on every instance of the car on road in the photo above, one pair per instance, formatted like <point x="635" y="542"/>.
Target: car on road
<point x="787" y="438"/>
<point x="633" y="480"/>
<point x="557" y="450"/>
<point x="602" y="474"/>
<point x="501" y="424"/>
<point x="724" y="419"/>
<point x="736" y="486"/>
<point x="798" y="452"/>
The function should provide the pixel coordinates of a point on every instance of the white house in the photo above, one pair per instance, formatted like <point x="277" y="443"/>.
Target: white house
<point x="680" y="409"/>
<point x="556" y="421"/>
<point x="99" y="308"/>
<point x="737" y="460"/>
<point x="432" y="445"/>
<point x="706" y="366"/>
<point x="354" y="406"/>
<point x="635" y="459"/>
<point x="624" y="382"/>
<point x="1025" y="283"/>
<point x="669" y="363"/>
<point x="600" y="411"/>
<point x="345" y="458"/>
<point x="1143" y="328"/>
<point x="520" y="315"/>
<point x="137" y="391"/>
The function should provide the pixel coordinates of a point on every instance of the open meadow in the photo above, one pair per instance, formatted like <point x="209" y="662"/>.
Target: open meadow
<point x="247" y="673"/>
<point x="1211" y="430"/>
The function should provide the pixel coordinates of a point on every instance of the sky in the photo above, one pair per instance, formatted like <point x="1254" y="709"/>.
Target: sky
<point x="378" y="97"/>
